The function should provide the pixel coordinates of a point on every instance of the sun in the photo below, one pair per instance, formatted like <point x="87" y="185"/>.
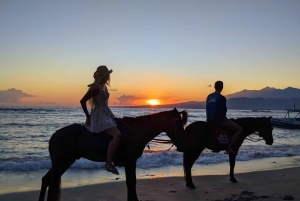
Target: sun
<point x="153" y="102"/>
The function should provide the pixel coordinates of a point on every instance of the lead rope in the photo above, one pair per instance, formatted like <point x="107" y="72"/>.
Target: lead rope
<point x="252" y="139"/>
<point x="148" y="145"/>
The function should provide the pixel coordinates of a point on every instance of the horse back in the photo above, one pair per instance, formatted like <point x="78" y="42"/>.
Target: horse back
<point x="77" y="141"/>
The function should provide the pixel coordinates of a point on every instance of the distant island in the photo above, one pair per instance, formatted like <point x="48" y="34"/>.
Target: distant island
<point x="265" y="99"/>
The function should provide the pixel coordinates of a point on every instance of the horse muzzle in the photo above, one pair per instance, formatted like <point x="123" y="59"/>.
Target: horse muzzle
<point x="269" y="142"/>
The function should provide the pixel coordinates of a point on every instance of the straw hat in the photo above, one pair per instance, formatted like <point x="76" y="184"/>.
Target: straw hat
<point x="101" y="75"/>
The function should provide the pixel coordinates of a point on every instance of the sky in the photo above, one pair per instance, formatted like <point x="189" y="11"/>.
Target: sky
<point x="171" y="51"/>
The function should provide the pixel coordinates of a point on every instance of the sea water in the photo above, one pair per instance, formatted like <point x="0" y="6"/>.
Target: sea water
<point x="25" y="133"/>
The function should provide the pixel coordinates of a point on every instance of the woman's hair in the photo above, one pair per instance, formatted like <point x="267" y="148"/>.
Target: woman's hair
<point x="102" y="77"/>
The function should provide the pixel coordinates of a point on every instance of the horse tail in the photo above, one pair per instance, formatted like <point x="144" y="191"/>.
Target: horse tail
<point x="184" y="116"/>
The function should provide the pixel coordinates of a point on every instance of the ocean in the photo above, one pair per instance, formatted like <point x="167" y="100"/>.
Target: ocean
<point x="25" y="133"/>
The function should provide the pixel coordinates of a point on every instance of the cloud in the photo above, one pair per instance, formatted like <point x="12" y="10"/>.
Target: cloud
<point x="128" y="100"/>
<point x="13" y="95"/>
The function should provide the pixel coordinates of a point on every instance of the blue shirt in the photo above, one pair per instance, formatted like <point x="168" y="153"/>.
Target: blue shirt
<point x="216" y="108"/>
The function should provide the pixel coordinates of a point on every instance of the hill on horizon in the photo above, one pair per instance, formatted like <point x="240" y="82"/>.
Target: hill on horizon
<point x="267" y="92"/>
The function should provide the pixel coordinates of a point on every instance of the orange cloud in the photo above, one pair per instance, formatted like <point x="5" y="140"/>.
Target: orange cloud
<point x="13" y="95"/>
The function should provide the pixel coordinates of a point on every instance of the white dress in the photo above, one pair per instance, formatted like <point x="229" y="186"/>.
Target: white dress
<point x="101" y="116"/>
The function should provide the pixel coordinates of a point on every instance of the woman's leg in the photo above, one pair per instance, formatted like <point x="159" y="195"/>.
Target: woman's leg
<point x="115" y="133"/>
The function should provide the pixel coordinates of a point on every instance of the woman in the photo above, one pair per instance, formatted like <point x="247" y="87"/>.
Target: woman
<point x="101" y="117"/>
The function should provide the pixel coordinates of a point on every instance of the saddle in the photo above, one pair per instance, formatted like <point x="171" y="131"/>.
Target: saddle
<point x="222" y="135"/>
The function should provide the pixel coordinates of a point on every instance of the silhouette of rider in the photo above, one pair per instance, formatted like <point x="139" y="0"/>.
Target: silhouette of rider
<point x="216" y="114"/>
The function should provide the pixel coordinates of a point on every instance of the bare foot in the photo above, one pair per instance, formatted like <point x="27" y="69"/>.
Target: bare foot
<point x="110" y="168"/>
<point x="230" y="151"/>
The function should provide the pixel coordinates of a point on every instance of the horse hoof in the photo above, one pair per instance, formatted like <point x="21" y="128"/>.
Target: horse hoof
<point x="233" y="180"/>
<point x="190" y="185"/>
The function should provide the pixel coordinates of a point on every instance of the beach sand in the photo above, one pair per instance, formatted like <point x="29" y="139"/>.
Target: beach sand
<point x="266" y="185"/>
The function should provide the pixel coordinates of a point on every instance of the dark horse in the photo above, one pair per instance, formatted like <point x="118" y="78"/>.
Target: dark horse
<point x="75" y="141"/>
<point x="201" y="135"/>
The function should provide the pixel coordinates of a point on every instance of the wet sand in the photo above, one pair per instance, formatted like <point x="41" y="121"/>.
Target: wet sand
<point x="265" y="185"/>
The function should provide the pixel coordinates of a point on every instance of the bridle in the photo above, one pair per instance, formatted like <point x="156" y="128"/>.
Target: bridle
<point x="260" y="128"/>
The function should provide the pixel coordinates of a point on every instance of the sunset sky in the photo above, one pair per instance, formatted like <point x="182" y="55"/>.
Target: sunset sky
<point x="166" y="50"/>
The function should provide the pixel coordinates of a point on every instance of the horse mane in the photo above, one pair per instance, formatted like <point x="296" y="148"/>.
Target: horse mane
<point x="141" y="119"/>
<point x="184" y="117"/>
<point x="249" y="123"/>
<point x="149" y="117"/>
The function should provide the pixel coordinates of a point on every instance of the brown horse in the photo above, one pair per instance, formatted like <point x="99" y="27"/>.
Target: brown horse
<point x="75" y="141"/>
<point x="201" y="135"/>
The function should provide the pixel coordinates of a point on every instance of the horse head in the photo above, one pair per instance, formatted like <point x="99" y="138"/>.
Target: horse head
<point x="260" y="125"/>
<point x="265" y="129"/>
<point x="176" y="131"/>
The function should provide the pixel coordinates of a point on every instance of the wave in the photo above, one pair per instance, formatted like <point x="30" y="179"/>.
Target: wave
<point x="28" y="109"/>
<point x="36" y="109"/>
<point x="35" y="124"/>
<point x="165" y="158"/>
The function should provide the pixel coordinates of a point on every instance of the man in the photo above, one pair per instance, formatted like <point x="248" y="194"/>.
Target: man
<point x="216" y="113"/>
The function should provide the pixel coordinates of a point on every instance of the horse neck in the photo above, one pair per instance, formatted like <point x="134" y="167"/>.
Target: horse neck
<point x="148" y="127"/>
<point x="249" y="124"/>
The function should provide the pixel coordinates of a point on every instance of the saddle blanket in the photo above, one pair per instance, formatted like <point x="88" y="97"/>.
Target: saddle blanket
<point x="221" y="135"/>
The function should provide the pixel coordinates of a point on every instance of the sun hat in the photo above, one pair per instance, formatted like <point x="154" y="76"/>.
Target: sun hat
<point x="101" y="74"/>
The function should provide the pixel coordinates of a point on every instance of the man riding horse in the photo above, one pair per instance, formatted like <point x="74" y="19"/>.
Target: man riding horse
<point x="216" y="114"/>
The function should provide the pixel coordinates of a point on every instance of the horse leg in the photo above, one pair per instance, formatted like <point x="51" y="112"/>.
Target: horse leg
<point x="55" y="173"/>
<point x="189" y="157"/>
<point x="130" y="171"/>
<point x="232" y="164"/>
<point x="45" y="185"/>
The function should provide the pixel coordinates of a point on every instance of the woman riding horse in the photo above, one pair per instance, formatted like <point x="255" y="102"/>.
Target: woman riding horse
<point x="75" y="141"/>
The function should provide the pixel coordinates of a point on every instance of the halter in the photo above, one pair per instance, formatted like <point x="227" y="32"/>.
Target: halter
<point x="260" y="128"/>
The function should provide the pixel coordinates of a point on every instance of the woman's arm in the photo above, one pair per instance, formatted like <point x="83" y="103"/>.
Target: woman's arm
<point x="93" y="91"/>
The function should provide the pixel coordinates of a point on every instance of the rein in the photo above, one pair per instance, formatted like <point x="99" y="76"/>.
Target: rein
<point x="162" y="141"/>
<point x="252" y="139"/>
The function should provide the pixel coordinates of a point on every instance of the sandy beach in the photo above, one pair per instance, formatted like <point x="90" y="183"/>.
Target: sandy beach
<point x="272" y="185"/>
